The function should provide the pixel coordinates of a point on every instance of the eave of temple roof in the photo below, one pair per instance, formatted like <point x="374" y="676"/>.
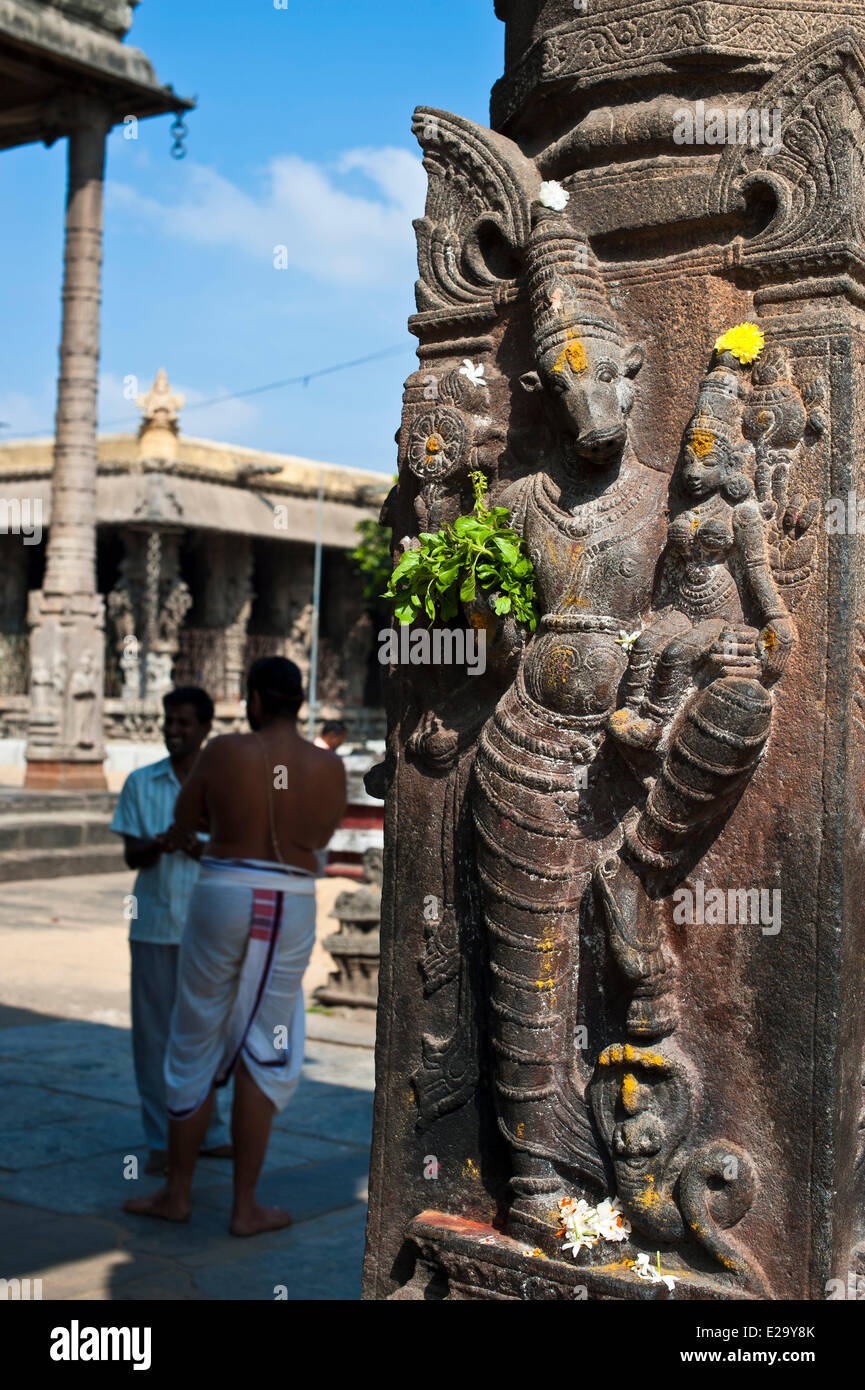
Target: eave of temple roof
<point x="208" y="461"/>
<point x="51" y="49"/>
<point x="208" y="487"/>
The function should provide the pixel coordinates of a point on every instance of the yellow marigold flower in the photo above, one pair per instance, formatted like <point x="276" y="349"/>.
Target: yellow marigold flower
<point x="745" y="341"/>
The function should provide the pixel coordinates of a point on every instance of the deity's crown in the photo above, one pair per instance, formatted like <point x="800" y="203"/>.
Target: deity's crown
<point x="719" y="405"/>
<point x="567" y="295"/>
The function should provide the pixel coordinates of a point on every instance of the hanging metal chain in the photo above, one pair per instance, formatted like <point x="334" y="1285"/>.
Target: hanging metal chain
<point x="179" y="133"/>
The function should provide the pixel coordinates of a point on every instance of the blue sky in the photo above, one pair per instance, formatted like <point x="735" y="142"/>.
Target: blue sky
<point x="302" y="139"/>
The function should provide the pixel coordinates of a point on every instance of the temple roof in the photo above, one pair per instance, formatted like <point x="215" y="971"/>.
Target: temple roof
<point x="210" y="486"/>
<point x="49" y="49"/>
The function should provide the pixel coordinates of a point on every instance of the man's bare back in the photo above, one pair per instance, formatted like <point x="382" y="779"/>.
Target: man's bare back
<point x="240" y="780"/>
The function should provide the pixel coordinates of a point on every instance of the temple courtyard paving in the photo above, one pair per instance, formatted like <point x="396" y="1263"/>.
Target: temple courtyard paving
<point x="71" y="1131"/>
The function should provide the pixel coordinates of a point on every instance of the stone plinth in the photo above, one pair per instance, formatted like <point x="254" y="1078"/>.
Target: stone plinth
<point x="459" y="1260"/>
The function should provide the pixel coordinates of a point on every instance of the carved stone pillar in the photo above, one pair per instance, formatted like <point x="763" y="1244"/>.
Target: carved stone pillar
<point x="64" y="736"/>
<point x="622" y="940"/>
<point x="167" y="600"/>
<point x="125" y="614"/>
<point x="286" y="599"/>
<point x="147" y="608"/>
<point x="227" y="604"/>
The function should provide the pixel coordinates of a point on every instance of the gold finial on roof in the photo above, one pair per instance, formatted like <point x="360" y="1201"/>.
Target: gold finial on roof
<point x="160" y="419"/>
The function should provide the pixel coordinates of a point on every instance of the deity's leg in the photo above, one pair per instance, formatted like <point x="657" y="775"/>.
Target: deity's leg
<point x="711" y="756"/>
<point x="534" y="868"/>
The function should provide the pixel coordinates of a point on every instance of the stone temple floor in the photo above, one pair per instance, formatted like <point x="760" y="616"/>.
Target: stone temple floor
<point x="69" y="1123"/>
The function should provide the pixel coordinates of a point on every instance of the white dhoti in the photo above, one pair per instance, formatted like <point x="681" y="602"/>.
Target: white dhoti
<point x="248" y="939"/>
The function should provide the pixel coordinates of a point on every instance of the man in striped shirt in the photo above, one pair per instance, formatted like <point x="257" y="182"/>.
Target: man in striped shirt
<point x="167" y="864"/>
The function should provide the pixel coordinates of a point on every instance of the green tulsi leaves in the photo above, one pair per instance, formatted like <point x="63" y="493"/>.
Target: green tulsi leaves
<point x="479" y="554"/>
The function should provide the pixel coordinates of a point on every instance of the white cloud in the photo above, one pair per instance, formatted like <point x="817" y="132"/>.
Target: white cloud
<point x="328" y="232"/>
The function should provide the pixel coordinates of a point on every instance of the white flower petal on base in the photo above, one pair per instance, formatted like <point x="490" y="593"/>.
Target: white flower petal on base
<point x="474" y="374"/>
<point x="611" y="1222"/>
<point x="553" y="195"/>
<point x="585" y="1225"/>
<point x="644" y="1269"/>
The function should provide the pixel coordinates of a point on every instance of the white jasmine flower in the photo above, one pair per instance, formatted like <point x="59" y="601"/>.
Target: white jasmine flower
<point x="584" y="1224"/>
<point x="474" y="374"/>
<point x="626" y="640"/>
<point x="580" y="1226"/>
<point x="611" y="1222"/>
<point x="553" y="195"/>
<point x="644" y="1269"/>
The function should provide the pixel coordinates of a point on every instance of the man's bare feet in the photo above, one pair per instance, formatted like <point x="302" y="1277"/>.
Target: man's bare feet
<point x="161" y="1204"/>
<point x="258" y="1219"/>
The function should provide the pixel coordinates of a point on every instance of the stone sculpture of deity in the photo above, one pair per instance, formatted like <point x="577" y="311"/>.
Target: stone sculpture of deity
<point x="717" y="564"/>
<point x="548" y="797"/>
<point x="588" y="807"/>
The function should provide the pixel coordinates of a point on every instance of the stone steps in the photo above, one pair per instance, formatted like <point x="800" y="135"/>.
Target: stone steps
<point x="66" y="830"/>
<point x="49" y="835"/>
<point x="17" y="801"/>
<point x="16" y="865"/>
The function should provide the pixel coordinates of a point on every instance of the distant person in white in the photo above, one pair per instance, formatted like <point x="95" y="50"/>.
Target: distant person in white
<point x="168" y="868"/>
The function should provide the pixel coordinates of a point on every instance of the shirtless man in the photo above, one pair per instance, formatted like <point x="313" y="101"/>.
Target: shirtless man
<point x="269" y="801"/>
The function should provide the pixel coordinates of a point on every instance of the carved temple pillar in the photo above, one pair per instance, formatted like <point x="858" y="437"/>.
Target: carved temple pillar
<point x="147" y="608"/>
<point x="65" y="745"/>
<point x="226" y="604"/>
<point x="284" y="598"/>
<point x="622" y="945"/>
<point x="167" y="600"/>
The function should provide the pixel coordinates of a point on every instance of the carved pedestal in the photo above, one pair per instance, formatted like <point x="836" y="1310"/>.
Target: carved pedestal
<point x="355" y="947"/>
<point x="623" y="952"/>
<point x="451" y="1258"/>
<point x="64" y="724"/>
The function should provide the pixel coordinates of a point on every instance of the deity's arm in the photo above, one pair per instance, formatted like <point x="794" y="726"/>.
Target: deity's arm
<point x="515" y="498"/>
<point x="778" y="630"/>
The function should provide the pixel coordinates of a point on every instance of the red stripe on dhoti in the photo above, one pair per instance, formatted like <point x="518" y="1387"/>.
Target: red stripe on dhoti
<point x="264" y="914"/>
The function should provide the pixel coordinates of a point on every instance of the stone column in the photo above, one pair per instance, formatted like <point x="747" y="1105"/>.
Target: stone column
<point x="167" y="601"/>
<point x="622" y="938"/>
<point x="289" y="612"/>
<point x="124" y="613"/>
<point x="65" y="745"/>
<point x="239" y="595"/>
<point x="227" y="605"/>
